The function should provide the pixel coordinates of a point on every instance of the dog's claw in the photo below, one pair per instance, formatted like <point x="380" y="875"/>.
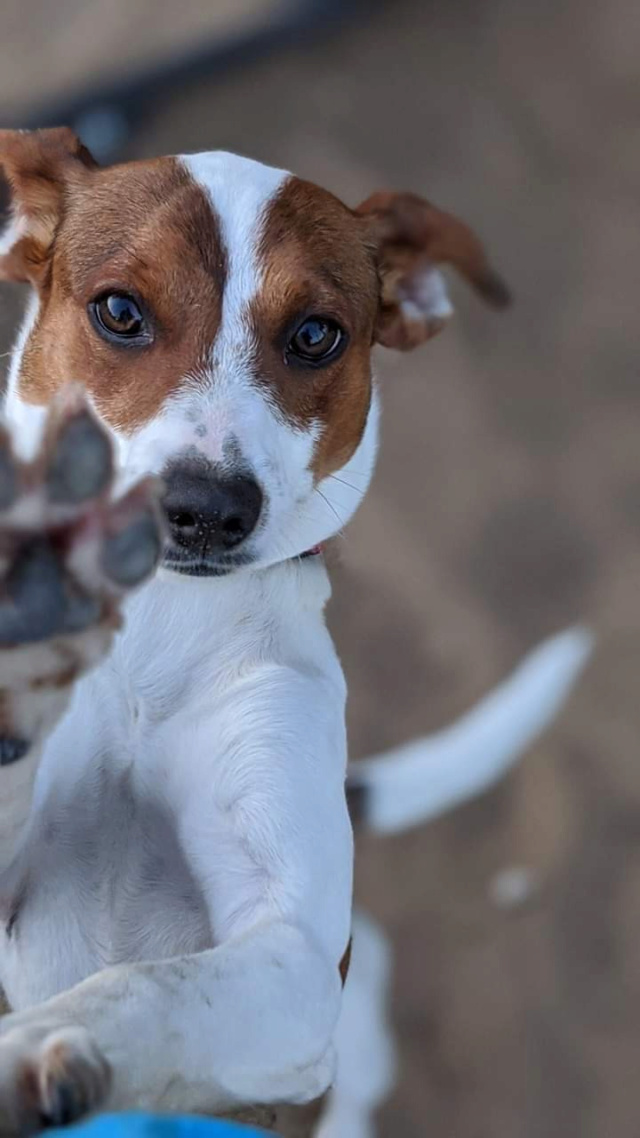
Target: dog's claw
<point x="73" y="1078"/>
<point x="63" y="1103"/>
<point x="61" y="1107"/>
<point x="48" y="1077"/>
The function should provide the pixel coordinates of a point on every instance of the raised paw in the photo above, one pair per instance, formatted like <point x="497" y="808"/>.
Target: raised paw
<point x="69" y="552"/>
<point x="49" y="1078"/>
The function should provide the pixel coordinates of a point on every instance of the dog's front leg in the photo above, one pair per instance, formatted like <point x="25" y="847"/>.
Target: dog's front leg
<point x="249" y="1022"/>
<point x="68" y="553"/>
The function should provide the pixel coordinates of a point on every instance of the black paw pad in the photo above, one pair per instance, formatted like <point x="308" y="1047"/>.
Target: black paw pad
<point x="36" y="598"/>
<point x="82" y="461"/>
<point x="12" y="749"/>
<point x="130" y="555"/>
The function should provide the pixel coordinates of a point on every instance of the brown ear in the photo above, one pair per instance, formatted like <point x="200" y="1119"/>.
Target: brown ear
<point x="39" y="166"/>
<point x="412" y="239"/>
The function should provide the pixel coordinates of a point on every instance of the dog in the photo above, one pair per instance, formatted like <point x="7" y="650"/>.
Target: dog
<point x="175" y="843"/>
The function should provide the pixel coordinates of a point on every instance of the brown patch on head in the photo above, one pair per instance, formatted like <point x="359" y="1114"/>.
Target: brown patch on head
<point x="374" y="270"/>
<point x="316" y="260"/>
<point x="144" y="228"/>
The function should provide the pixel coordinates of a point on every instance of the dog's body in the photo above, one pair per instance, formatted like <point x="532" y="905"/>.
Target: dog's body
<point x="175" y="846"/>
<point x="114" y="871"/>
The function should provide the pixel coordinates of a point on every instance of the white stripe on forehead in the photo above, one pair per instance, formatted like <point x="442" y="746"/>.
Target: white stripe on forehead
<point x="239" y="190"/>
<point x="232" y="404"/>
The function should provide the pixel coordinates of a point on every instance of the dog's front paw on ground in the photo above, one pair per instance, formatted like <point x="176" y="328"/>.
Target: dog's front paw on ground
<point x="69" y="552"/>
<point x="49" y="1078"/>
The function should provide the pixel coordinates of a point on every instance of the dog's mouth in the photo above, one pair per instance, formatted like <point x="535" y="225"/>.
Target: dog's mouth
<point x="180" y="561"/>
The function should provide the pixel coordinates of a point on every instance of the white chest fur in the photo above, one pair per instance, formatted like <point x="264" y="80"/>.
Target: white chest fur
<point x="184" y="700"/>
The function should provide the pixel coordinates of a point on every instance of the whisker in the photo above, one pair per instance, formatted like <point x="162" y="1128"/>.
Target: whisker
<point x="360" y="473"/>
<point x="330" y="505"/>
<point x="344" y="482"/>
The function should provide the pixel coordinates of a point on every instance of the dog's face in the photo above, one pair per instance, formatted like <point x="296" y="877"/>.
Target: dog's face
<point x="221" y="315"/>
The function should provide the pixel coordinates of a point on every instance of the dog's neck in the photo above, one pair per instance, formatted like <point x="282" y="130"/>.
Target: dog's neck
<point x="185" y="635"/>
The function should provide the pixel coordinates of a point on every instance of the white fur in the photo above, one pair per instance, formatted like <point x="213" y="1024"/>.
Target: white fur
<point x="26" y="419"/>
<point x="428" y="298"/>
<point x="364" y="1043"/>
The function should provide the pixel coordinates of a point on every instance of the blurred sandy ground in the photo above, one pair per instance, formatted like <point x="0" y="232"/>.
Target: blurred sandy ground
<point x="507" y="504"/>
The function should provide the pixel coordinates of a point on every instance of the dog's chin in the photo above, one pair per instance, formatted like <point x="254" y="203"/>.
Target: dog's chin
<point x="189" y="566"/>
<point x="196" y="568"/>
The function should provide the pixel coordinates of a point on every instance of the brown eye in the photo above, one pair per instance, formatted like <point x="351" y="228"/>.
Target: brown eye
<point x="118" y="315"/>
<point x="316" y="341"/>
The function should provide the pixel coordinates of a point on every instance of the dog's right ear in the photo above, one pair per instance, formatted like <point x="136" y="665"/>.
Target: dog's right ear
<point x="39" y="166"/>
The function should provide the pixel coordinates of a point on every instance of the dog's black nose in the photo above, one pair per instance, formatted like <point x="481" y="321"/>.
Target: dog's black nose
<point x="209" y="512"/>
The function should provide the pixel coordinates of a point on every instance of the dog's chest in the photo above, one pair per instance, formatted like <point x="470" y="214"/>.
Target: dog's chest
<point x="146" y="902"/>
<point x="106" y="878"/>
<point x="106" y="881"/>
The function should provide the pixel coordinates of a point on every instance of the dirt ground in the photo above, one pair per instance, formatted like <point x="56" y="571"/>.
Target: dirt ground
<point x="506" y="505"/>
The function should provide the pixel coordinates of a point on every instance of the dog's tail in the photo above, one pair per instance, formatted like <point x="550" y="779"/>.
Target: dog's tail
<point x="424" y="778"/>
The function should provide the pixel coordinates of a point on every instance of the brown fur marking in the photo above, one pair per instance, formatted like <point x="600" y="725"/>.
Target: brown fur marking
<point x="316" y="261"/>
<point x="145" y="228"/>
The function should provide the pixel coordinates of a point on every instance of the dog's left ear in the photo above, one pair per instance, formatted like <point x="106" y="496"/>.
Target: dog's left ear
<point x="412" y="239"/>
<point x="40" y="167"/>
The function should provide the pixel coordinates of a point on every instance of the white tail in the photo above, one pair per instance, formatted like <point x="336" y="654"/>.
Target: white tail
<point x="414" y="783"/>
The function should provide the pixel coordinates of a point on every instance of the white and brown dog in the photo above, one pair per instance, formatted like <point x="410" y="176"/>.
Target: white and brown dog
<point x="175" y="844"/>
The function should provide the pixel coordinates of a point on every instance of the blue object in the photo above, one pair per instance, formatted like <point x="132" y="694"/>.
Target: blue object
<point x="156" y="1126"/>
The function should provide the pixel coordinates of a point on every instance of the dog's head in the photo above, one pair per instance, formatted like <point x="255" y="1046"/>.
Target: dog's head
<point x="221" y="315"/>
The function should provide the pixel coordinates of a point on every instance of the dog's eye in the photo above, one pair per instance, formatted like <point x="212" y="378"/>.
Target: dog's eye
<point x="317" y="340"/>
<point x="118" y="315"/>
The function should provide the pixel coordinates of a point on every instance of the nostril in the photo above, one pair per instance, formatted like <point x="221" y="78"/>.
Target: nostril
<point x="182" y="519"/>
<point x="234" y="528"/>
